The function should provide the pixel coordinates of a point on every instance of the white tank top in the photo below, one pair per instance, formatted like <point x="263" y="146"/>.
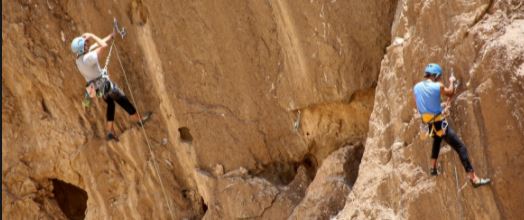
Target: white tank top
<point x="89" y="66"/>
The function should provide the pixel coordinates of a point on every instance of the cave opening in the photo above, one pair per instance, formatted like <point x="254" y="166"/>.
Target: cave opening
<point x="71" y="199"/>
<point x="311" y="165"/>
<point x="185" y="135"/>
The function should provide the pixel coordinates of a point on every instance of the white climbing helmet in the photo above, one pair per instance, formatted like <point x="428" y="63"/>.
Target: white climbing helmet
<point x="77" y="46"/>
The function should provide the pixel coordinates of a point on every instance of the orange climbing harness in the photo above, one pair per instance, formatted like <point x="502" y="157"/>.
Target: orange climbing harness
<point x="431" y="121"/>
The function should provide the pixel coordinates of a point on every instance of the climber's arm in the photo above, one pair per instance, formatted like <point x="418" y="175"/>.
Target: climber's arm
<point x="450" y="90"/>
<point x="100" y="44"/>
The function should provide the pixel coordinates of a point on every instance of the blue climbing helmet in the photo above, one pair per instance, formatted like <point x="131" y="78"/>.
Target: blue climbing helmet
<point x="77" y="46"/>
<point x="433" y="69"/>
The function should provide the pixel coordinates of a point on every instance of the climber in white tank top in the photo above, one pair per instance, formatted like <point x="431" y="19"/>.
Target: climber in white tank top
<point x="89" y="66"/>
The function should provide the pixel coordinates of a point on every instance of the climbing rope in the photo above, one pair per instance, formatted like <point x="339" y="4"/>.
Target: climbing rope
<point x="155" y="165"/>
<point x="108" y="58"/>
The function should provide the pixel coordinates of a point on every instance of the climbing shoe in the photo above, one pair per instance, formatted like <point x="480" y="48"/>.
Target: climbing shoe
<point x="111" y="136"/>
<point x="144" y="119"/>
<point x="480" y="182"/>
<point x="434" y="171"/>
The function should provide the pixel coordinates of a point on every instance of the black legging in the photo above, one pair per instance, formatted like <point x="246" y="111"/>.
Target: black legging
<point x="121" y="99"/>
<point x="453" y="140"/>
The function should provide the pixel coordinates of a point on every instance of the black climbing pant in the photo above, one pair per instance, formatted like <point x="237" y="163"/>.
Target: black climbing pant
<point x="453" y="140"/>
<point x="121" y="99"/>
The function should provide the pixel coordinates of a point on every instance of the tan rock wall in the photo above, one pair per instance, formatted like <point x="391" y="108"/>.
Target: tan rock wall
<point x="480" y="41"/>
<point x="268" y="91"/>
<point x="235" y="73"/>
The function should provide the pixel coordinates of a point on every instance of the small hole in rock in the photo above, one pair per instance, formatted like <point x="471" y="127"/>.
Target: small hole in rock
<point x="72" y="200"/>
<point x="204" y="206"/>
<point x="310" y="163"/>
<point x="185" y="193"/>
<point x="185" y="135"/>
<point x="44" y="107"/>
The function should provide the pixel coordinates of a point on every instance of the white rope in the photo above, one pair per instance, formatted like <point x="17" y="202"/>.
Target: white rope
<point x="155" y="165"/>
<point x="108" y="58"/>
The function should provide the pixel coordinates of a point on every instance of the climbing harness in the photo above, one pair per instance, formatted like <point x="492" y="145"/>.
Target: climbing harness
<point x="429" y="126"/>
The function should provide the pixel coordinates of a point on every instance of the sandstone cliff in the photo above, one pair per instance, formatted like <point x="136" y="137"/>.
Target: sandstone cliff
<point x="262" y="109"/>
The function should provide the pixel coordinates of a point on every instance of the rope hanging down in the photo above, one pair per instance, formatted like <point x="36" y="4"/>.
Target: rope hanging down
<point x="155" y="165"/>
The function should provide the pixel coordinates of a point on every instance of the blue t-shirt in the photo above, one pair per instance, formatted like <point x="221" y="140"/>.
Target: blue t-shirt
<point x="427" y="95"/>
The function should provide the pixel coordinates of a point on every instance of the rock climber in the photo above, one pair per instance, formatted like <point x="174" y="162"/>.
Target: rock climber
<point x="427" y="95"/>
<point x="98" y="82"/>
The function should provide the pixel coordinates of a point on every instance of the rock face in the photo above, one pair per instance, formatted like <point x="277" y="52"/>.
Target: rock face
<point x="481" y="42"/>
<point x="326" y="195"/>
<point x="225" y="81"/>
<point x="261" y="109"/>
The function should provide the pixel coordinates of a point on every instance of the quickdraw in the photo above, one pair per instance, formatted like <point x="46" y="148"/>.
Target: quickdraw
<point x="122" y="31"/>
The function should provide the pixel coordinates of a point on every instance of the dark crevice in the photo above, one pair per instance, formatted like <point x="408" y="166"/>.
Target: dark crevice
<point x="353" y="163"/>
<point x="483" y="14"/>
<point x="282" y="173"/>
<point x="278" y="173"/>
<point x="270" y="205"/>
<point x="311" y="165"/>
<point x="185" y="193"/>
<point x="71" y="199"/>
<point x="204" y="205"/>
<point x="199" y="206"/>
<point x="185" y="135"/>
<point x="45" y="108"/>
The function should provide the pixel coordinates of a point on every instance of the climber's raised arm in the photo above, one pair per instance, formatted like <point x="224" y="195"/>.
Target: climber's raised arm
<point x="100" y="44"/>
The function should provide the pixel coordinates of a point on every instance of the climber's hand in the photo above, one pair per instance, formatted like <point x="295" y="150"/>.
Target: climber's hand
<point x="452" y="79"/>
<point x="87" y="35"/>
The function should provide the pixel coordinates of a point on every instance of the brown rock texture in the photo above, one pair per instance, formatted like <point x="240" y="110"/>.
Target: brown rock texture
<point x="225" y="80"/>
<point x="481" y="42"/>
<point x="326" y="195"/>
<point x="261" y="110"/>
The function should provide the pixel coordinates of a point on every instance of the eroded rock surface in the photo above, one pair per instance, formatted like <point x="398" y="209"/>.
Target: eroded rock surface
<point x="480" y="41"/>
<point x="253" y="104"/>
<point x="326" y="195"/>
<point x="224" y="79"/>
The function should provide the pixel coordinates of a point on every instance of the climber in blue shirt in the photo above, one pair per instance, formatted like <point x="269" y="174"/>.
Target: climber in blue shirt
<point x="428" y="99"/>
